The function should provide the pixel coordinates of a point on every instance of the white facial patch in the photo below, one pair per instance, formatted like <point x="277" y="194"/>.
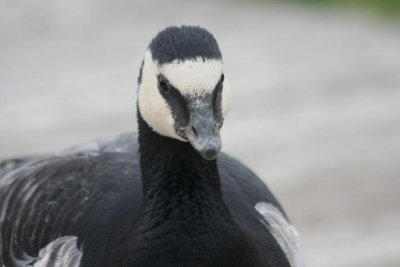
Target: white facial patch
<point x="193" y="78"/>
<point x="153" y="107"/>
<point x="226" y="97"/>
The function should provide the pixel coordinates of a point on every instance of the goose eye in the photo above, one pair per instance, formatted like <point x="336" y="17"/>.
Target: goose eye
<point x="163" y="84"/>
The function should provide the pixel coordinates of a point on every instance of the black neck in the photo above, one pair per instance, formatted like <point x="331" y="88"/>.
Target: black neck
<point x="184" y="218"/>
<point x="175" y="177"/>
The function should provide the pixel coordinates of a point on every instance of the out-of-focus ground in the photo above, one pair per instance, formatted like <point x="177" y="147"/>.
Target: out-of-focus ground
<point x="316" y="102"/>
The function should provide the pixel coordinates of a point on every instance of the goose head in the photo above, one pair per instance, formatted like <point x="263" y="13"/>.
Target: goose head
<point x="183" y="93"/>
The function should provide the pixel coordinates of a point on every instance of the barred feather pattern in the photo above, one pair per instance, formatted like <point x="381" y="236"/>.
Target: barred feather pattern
<point x="46" y="198"/>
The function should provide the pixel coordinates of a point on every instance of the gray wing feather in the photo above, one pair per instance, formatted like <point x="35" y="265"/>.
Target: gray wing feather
<point x="62" y="252"/>
<point x="284" y="233"/>
<point x="40" y="196"/>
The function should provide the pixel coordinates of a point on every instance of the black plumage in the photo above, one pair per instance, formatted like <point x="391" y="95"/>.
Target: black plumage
<point x="182" y="43"/>
<point x="135" y="200"/>
<point x="96" y="195"/>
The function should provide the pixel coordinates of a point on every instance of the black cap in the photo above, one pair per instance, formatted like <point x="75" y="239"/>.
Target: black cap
<point x="185" y="42"/>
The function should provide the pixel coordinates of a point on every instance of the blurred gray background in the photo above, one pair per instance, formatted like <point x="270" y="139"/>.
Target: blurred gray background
<point x="315" y="111"/>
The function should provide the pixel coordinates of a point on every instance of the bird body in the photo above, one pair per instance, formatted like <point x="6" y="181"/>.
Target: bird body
<point x="158" y="198"/>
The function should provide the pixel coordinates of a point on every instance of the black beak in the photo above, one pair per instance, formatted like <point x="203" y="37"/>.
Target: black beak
<point x="203" y="132"/>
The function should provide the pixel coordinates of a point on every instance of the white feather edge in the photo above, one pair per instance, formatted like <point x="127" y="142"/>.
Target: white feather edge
<point x="62" y="252"/>
<point x="284" y="233"/>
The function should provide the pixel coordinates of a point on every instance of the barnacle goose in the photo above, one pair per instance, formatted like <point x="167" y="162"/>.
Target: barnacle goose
<point x="158" y="198"/>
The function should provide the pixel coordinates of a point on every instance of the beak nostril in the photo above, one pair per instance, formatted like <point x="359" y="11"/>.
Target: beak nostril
<point x="210" y="153"/>
<point x="194" y="131"/>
